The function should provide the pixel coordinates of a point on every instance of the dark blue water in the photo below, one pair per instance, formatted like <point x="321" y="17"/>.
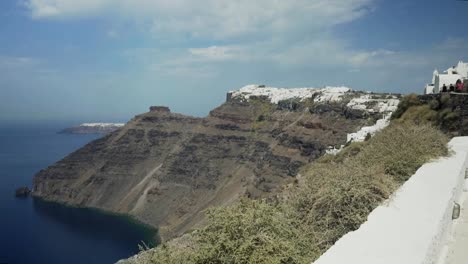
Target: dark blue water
<point x="33" y="231"/>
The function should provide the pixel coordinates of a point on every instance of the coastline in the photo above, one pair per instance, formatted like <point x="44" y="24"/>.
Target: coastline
<point x="149" y="229"/>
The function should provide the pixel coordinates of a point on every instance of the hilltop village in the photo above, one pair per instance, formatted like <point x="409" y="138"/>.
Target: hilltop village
<point x="449" y="78"/>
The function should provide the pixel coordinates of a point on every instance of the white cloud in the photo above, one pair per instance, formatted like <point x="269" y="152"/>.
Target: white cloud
<point x="26" y="69"/>
<point x="209" y="61"/>
<point x="65" y="8"/>
<point x="293" y="32"/>
<point x="183" y="70"/>
<point x="219" y="19"/>
<point x="223" y="19"/>
<point x="217" y="53"/>
<point x="325" y="51"/>
<point x="452" y="43"/>
<point x="173" y="62"/>
<point x="270" y="36"/>
<point x="366" y="57"/>
<point x="112" y="33"/>
<point x="10" y="62"/>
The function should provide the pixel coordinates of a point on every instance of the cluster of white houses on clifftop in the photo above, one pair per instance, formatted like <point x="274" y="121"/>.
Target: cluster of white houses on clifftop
<point x="448" y="77"/>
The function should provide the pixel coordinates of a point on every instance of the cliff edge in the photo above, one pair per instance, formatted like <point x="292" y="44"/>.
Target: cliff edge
<point x="166" y="168"/>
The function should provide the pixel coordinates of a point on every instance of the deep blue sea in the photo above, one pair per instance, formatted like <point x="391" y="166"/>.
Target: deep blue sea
<point x="32" y="231"/>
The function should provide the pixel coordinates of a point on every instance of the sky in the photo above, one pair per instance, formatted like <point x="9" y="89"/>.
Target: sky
<point x="108" y="60"/>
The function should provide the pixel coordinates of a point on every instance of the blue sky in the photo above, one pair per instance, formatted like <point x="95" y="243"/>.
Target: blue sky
<point x="108" y="60"/>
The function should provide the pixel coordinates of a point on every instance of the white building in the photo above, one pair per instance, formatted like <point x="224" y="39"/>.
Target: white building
<point x="448" y="77"/>
<point x="429" y="89"/>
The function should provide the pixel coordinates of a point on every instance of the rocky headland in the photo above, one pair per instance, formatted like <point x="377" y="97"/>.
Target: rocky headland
<point x="166" y="168"/>
<point x="92" y="128"/>
<point x="22" y="192"/>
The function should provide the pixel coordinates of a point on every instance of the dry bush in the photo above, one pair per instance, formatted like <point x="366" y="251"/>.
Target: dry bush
<point x="421" y="114"/>
<point x="402" y="148"/>
<point x="405" y="103"/>
<point x="349" y="151"/>
<point x="251" y="232"/>
<point x="337" y="197"/>
<point x="176" y="251"/>
<point x="440" y="112"/>
<point x="339" y="192"/>
<point x="247" y="232"/>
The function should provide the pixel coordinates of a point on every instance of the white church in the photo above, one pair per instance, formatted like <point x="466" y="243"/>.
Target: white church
<point x="448" y="77"/>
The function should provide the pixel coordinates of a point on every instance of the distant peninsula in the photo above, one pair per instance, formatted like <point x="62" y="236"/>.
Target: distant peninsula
<point x="92" y="128"/>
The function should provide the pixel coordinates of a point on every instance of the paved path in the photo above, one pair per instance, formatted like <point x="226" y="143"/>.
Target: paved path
<point x="458" y="245"/>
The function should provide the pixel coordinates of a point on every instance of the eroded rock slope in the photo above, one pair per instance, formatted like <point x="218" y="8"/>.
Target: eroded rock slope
<point x="166" y="168"/>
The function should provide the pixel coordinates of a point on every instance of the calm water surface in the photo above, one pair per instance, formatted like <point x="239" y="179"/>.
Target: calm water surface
<point x="32" y="231"/>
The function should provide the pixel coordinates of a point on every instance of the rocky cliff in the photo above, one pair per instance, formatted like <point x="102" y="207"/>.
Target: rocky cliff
<point x="166" y="168"/>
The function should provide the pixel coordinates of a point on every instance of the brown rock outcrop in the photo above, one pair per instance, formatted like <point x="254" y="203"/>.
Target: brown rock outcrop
<point x="166" y="168"/>
<point x="163" y="109"/>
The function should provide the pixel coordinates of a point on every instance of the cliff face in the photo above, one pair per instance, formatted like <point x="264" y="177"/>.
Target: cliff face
<point x="166" y="168"/>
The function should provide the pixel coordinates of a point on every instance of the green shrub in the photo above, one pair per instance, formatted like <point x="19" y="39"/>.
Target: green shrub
<point x="251" y="232"/>
<point x="405" y="103"/>
<point x="441" y="112"/>
<point x="421" y="114"/>
<point x="262" y="111"/>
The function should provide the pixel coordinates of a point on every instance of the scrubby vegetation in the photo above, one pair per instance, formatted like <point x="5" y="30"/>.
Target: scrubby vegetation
<point x="441" y="111"/>
<point x="333" y="196"/>
<point x="339" y="192"/>
<point x="262" y="110"/>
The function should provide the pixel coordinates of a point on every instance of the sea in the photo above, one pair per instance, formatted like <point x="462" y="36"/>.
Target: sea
<point x="34" y="231"/>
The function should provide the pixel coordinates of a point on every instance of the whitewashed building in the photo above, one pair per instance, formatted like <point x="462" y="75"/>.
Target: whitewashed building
<point x="448" y="77"/>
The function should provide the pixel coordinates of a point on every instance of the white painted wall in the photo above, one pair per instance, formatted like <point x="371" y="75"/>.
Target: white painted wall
<point x="429" y="89"/>
<point x="455" y="251"/>
<point x="446" y="79"/>
<point x="412" y="226"/>
<point x="462" y="69"/>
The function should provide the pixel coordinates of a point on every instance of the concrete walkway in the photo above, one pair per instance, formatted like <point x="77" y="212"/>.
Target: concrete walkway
<point x="415" y="225"/>
<point x="457" y="252"/>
